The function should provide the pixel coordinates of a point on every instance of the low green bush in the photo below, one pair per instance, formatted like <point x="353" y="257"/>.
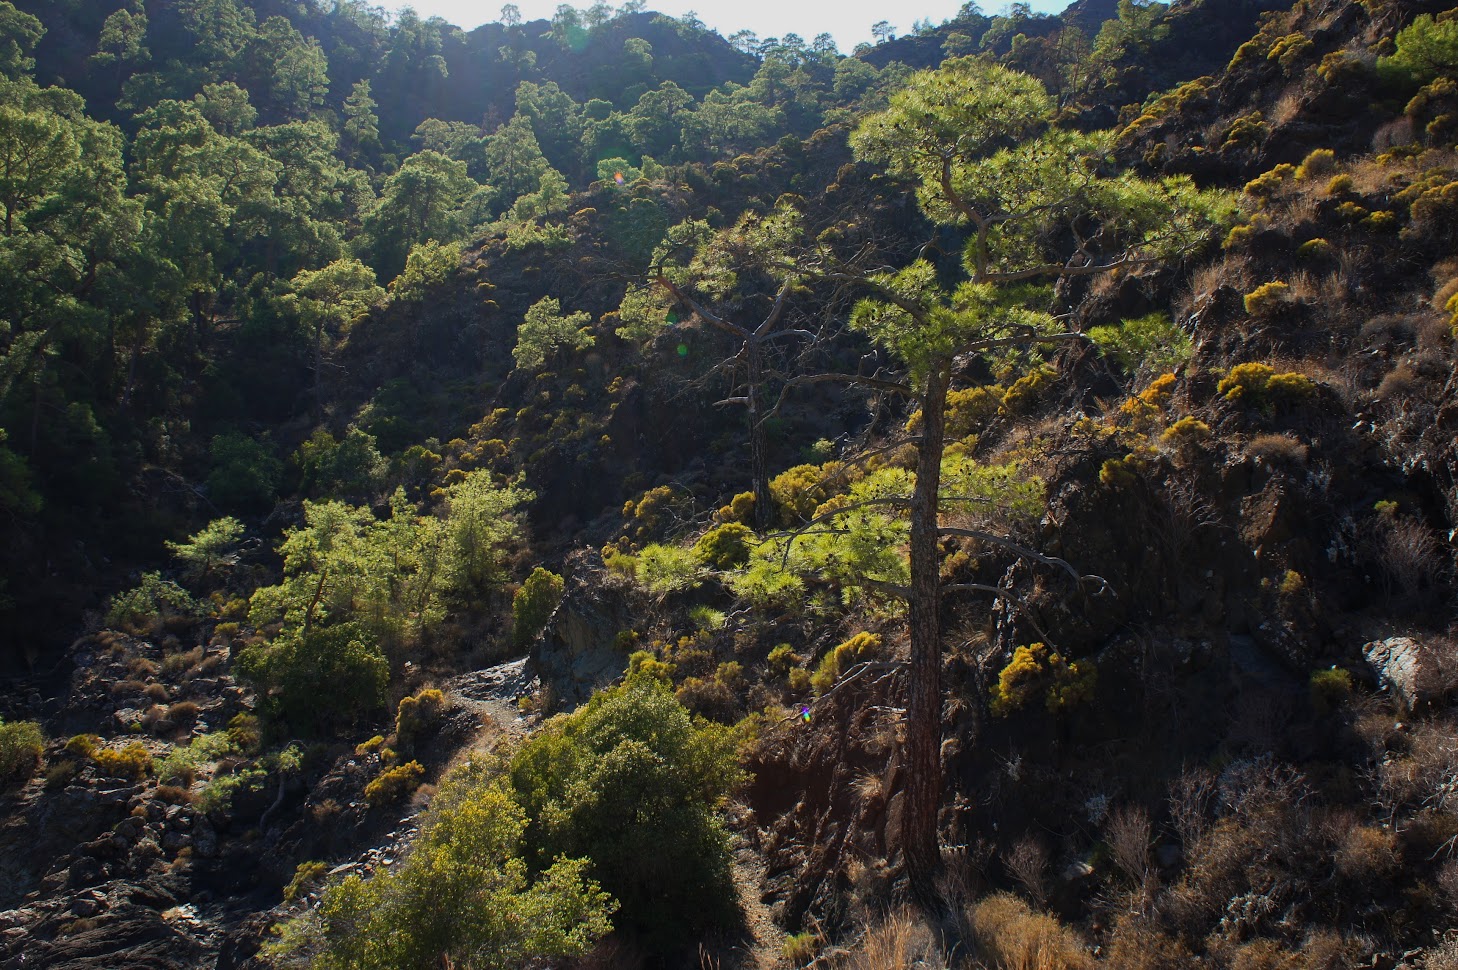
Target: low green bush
<point x="533" y="604"/>
<point x="630" y="782"/>
<point x="21" y="744"/>
<point x="393" y="784"/>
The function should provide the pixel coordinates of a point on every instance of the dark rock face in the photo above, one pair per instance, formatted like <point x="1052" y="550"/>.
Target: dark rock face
<point x="576" y="652"/>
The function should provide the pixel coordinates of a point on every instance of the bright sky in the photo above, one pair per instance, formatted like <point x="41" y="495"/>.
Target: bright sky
<point x="848" y="21"/>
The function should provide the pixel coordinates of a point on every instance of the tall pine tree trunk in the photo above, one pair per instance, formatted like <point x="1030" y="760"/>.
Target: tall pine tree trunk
<point x="758" y="447"/>
<point x="921" y="761"/>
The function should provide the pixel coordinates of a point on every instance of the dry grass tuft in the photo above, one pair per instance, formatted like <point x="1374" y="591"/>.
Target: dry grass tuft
<point x="1016" y="938"/>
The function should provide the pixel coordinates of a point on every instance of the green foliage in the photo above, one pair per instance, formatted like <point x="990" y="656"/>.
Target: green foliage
<point x="465" y="895"/>
<point x="1034" y="670"/>
<point x="21" y="744"/>
<point x="318" y="680"/>
<point x="429" y="265"/>
<point x="350" y="466"/>
<point x="1268" y="298"/>
<point x="725" y="546"/>
<point x="1259" y="385"/>
<point x="150" y="603"/>
<point x="1317" y="163"/>
<point x="417" y="715"/>
<point x="482" y="519"/>
<point x="859" y="648"/>
<point x="533" y="604"/>
<point x="1289" y="50"/>
<point x="245" y="473"/>
<point x="133" y="761"/>
<point x="630" y="782"/>
<point x="799" y="491"/>
<point x="209" y="547"/>
<point x="663" y="570"/>
<point x="394" y="784"/>
<point x="306" y="875"/>
<point x="218" y="794"/>
<point x="545" y="332"/>
<point x="1150" y="343"/>
<point x="1330" y="689"/>
<point x="1425" y="49"/>
<point x="1186" y="431"/>
<point x="183" y="762"/>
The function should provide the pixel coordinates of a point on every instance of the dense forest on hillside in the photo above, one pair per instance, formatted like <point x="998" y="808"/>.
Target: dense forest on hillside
<point x="590" y="492"/>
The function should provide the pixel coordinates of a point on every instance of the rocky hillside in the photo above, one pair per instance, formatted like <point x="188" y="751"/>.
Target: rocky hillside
<point x="524" y="630"/>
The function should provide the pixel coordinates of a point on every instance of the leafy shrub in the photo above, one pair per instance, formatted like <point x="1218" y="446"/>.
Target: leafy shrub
<point x="1268" y="298"/>
<point x="663" y="570"/>
<point x="533" y="604"/>
<point x="463" y="897"/>
<point x="319" y="679"/>
<point x="862" y="646"/>
<point x="1425" y="49"/>
<point x="182" y="762"/>
<point x="1339" y="185"/>
<point x="1330" y="689"/>
<point x="217" y="795"/>
<point x="245" y="473"/>
<point x="725" y="546"/>
<point x="21" y="744"/>
<point x="418" y="714"/>
<point x="781" y="659"/>
<point x="1036" y="669"/>
<point x="630" y="782"/>
<point x="1258" y="384"/>
<point x="1026" y="391"/>
<point x="1186" y="431"/>
<point x="393" y="784"/>
<point x="306" y="875"/>
<point x="1267" y="184"/>
<point x="1289" y="49"/>
<point x="134" y="761"/>
<point x="1151" y="342"/>
<point x="1318" y="163"/>
<point x="800" y="490"/>
<point x="1246" y="131"/>
<point x="739" y="509"/>
<point x="150" y="603"/>
<point x="1314" y="249"/>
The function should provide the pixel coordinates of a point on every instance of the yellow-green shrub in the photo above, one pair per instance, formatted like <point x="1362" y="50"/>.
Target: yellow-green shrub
<point x="532" y="605"/>
<point x="1319" y="162"/>
<point x="1289" y="49"/>
<point x="800" y="490"/>
<point x="1330" y="689"/>
<point x="1037" y="669"/>
<point x="21" y="744"/>
<point x="418" y="714"/>
<point x="1339" y="185"/>
<point x="1267" y="298"/>
<point x="393" y="784"/>
<point x="1185" y="431"/>
<point x="1257" y="384"/>
<point x="739" y="509"/>
<point x="725" y="546"/>
<point x="133" y="761"/>
<point x="862" y="646"/>
<point x="1314" y="249"/>
<point x="1266" y="185"/>
<point x="1025" y="392"/>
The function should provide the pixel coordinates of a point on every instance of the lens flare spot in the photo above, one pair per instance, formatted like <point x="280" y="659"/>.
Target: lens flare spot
<point x="683" y="350"/>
